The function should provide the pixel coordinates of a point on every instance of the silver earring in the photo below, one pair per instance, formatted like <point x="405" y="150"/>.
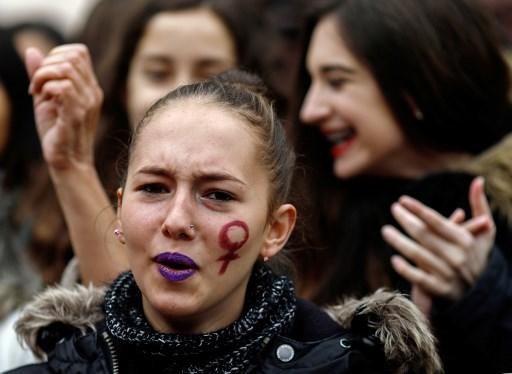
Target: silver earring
<point x="265" y="259"/>
<point x="119" y="235"/>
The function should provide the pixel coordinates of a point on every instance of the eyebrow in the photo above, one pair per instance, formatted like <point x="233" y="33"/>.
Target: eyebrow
<point x="156" y="59"/>
<point x="202" y="63"/>
<point x="203" y="176"/>
<point x="326" y="69"/>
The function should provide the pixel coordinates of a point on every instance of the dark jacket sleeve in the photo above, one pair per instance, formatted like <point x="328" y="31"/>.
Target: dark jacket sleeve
<point x="75" y="355"/>
<point x="480" y="324"/>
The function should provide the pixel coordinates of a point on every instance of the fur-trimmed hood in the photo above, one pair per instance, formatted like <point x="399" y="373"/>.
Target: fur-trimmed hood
<point x="409" y="346"/>
<point x="495" y="165"/>
<point x="401" y="328"/>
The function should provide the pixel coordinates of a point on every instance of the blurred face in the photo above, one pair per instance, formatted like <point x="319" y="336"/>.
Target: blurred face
<point x="177" y="48"/>
<point x="346" y="104"/>
<point x="5" y="114"/>
<point x="193" y="213"/>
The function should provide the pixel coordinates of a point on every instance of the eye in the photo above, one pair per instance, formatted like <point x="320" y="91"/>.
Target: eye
<point x="156" y="75"/>
<point x="153" y="188"/>
<point x="219" y="196"/>
<point x="336" y="83"/>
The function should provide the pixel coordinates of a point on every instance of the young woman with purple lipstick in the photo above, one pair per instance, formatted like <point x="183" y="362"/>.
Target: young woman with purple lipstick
<point x="202" y="208"/>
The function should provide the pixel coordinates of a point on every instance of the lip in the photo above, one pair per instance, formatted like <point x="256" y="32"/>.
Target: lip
<point x="175" y="267"/>
<point x="340" y="149"/>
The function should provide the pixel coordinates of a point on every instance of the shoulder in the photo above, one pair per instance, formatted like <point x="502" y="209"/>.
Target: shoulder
<point x="381" y="332"/>
<point x="59" y="313"/>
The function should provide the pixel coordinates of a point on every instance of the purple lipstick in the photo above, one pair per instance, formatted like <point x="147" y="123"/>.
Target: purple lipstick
<point x="175" y="267"/>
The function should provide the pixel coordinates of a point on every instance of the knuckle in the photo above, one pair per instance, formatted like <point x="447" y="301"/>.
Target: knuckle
<point x="460" y="261"/>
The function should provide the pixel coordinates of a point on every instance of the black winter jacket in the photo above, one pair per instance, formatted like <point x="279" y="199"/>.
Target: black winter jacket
<point x="383" y="333"/>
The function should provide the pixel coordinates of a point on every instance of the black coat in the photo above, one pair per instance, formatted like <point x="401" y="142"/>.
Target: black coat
<point x="316" y="344"/>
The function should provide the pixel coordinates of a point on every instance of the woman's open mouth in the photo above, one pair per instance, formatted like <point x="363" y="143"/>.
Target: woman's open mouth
<point x="175" y="267"/>
<point x="341" y="140"/>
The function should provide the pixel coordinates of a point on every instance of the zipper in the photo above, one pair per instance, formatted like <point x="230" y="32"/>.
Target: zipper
<point x="112" y="350"/>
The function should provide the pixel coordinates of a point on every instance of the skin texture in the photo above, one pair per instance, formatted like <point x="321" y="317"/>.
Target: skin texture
<point x="174" y="181"/>
<point x="344" y="95"/>
<point x="201" y="46"/>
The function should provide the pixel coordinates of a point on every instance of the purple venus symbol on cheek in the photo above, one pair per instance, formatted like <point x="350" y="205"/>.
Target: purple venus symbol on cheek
<point x="232" y="237"/>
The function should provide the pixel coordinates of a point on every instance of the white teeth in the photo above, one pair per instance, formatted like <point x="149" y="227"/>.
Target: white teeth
<point x="340" y="136"/>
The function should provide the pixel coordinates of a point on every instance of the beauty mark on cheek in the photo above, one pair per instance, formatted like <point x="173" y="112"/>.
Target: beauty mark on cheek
<point x="232" y="237"/>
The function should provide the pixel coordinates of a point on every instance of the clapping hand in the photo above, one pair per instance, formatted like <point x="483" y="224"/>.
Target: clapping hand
<point x="447" y="254"/>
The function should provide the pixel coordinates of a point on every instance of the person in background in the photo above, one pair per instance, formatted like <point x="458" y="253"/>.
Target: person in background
<point x="406" y="106"/>
<point x="34" y="247"/>
<point x="202" y="213"/>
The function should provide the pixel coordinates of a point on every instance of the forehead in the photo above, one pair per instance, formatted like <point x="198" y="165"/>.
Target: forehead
<point x="195" y="132"/>
<point x="194" y="32"/>
<point x="327" y="47"/>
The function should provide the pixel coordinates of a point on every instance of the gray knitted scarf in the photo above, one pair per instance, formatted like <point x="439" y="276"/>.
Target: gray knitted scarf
<point x="269" y="311"/>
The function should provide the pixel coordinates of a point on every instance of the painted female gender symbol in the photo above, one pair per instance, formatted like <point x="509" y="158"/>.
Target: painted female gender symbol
<point x="232" y="237"/>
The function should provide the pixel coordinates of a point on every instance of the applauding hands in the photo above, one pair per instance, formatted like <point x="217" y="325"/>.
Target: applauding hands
<point x="449" y="254"/>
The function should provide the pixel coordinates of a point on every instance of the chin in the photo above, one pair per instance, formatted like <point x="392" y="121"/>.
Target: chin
<point x="343" y="171"/>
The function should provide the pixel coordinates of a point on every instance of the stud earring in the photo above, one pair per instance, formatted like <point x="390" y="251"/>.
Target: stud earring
<point x="119" y="235"/>
<point x="265" y="259"/>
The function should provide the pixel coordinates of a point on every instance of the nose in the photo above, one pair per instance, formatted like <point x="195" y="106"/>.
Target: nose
<point x="314" y="107"/>
<point x="178" y="222"/>
<point x="183" y="76"/>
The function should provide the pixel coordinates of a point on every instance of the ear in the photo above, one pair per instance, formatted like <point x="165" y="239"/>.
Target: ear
<point x="279" y="230"/>
<point x="119" y="194"/>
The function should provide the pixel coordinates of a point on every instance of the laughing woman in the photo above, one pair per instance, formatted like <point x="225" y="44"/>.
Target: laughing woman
<point x="406" y="101"/>
<point x="202" y="208"/>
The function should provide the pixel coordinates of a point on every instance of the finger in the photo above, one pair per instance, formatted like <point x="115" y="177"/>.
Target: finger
<point x="78" y="57"/>
<point x="426" y="237"/>
<point x="62" y="71"/>
<point x="448" y="230"/>
<point x="479" y="224"/>
<point x="422" y="257"/>
<point x="477" y="198"/>
<point x="458" y="216"/>
<point x="418" y="277"/>
<point x="33" y="59"/>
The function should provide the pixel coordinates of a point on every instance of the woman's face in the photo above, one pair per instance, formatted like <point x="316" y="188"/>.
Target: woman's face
<point x="176" y="48"/>
<point x="194" y="216"/>
<point x="346" y="104"/>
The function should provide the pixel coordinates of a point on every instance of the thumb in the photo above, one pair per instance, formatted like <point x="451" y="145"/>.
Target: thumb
<point x="33" y="59"/>
<point x="477" y="198"/>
